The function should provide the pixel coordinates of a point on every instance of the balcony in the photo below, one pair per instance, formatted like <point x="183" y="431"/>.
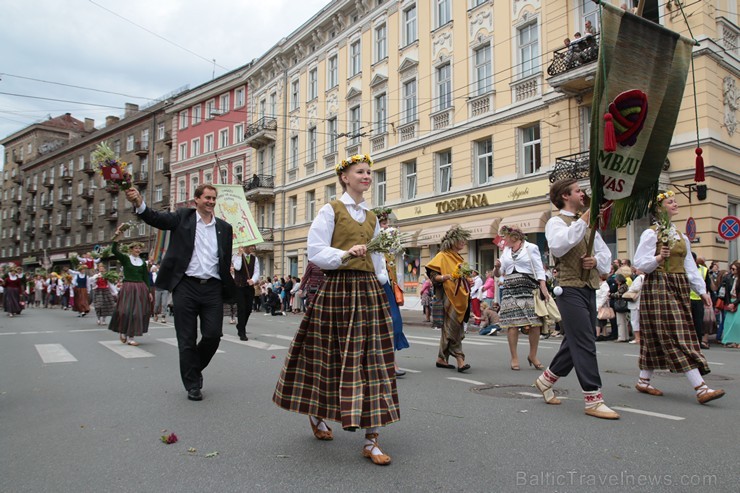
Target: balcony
<point x="165" y="202"/>
<point x="17" y="238"/>
<point x="166" y="171"/>
<point x="87" y="219"/>
<point x="49" y="182"/>
<point x="111" y="214"/>
<point x="30" y="232"/>
<point x="88" y="194"/>
<point x="16" y="217"/>
<point x="268" y="237"/>
<point x="141" y="148"/>
<point x="17" y="199"/>
<point x="259" y="188"/>
<point x="47" y="206"/>
<point x="31" y="210"/>
<point x="46" y="228"/>
<point x="67" y="176"/>
<point x="262" y="132"/>
<point x="88" y="169"/>
<point x="17" y="159"/>
<point x="571" y="166"/>
<point x="18" y="179"/>
<point x="65" y="225"/>
<point x="168" y="139"/>
<point x="141" y="178"/>
<point x="407" y="131"/>
<point x="32" y="188"/>
<point x="573" y="70"/>
<point x="66" y="199"/>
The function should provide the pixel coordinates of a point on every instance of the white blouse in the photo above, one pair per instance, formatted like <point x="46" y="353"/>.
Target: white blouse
<point x="561" y="238"/>
<point x="645" y="259"/>
<point x="522" y="263"/>
<point x="320" y="251"/>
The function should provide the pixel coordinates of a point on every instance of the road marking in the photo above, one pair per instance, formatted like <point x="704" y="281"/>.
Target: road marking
<point x="125" y="350"/>
<point x="88" y="330"/>
<point x="710" y="362"/>
<point x="649" y="413"/>
<point x="472" y="343"/>
<point x="39" y="332"/>
<point x="409" y="370"/>
<point x="465" y="380"/>
<point x="255" y="344"/>
<point x="278" y="336"/>
<point x="172" y="341"/>
<point x="54" y="353"/>
<point x="8" y="333"/>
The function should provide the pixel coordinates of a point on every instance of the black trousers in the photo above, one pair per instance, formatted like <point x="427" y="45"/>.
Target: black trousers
<point x="578" y="349"/>
<point x="697" y="313"/>
<point x="244" y="302"/>
<point x="193" y="301"/>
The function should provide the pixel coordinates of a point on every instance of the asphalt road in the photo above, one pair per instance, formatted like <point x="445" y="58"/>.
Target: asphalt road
<point x="93" y="423"/>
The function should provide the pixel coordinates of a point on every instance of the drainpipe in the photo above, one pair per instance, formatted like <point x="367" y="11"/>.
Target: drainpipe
<point x="285" y="175"/>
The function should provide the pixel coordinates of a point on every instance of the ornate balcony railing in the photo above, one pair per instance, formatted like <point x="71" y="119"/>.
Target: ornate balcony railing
<point x="580" y="52"/>
<point x="571" y="166"/>
<point x="261" y="132"/>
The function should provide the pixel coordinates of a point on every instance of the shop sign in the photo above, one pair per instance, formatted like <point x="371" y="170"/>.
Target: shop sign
<point x="29" y="260"/>
<point x="462" y="203"/>
<point x="57" y="257"/>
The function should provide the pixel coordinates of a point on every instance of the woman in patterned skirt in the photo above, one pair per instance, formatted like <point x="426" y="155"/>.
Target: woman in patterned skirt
<point x="340" y="363"/>
<point x="103" y="301"/>
<point x="667" y="336"/>
<point x="13" y="284"/>
<point x="131" y="316"/>
<point x="521" y="264"/>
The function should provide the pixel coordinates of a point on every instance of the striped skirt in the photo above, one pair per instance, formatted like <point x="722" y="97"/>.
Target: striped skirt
<point x="104" y="303"/>
<point x="667" y="337"/>
<point x="517" y="302"/>
<point x="340" y="363"/>
<point x="131" y="316"/>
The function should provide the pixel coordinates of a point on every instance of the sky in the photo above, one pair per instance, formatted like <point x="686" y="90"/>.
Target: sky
<point x="96" y="44"/>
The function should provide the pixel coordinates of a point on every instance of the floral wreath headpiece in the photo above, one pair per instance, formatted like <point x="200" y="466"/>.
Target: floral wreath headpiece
<point x="662" y="196"/>
<point x="507" y="230"/>
<point x="382" y="213"/>
<point x="455" y="234"/>
<point x="357" y="158"/>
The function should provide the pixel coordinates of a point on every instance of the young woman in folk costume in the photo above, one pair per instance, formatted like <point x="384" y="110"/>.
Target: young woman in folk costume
<point x="13" y="285"/>
<point x="103" y="301"/>
<point x="452" y="294"/>
<point x="80" y="285"/>
<point x="667" y="337"/>
<point x="340" y="364"/>
<point x="399" y="339"/>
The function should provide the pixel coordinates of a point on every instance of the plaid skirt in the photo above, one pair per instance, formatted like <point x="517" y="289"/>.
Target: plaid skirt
<point x="340" y="364"/>
<point x="131" y="316"/>
<point x="517" y="302"/>
<point x="667" y="337"/>
<point x="104" y="302"/>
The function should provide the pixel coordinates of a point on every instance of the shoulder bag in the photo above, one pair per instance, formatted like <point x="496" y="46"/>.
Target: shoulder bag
<point x="620" y="305"/>
<point x="398" y="293"/>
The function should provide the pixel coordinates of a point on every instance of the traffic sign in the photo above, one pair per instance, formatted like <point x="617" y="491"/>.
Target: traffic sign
<point x="729" y="228"/>
<point x="690" y="229"/>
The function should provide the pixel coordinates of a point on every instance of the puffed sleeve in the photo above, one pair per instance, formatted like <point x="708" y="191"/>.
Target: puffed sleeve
<point x="644" y="259"/>
<point x="692" y="271"/>
<point x="320" y="251"/>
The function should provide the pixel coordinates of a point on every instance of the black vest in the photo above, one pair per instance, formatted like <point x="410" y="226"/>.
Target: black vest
<point x="244" y="274"/>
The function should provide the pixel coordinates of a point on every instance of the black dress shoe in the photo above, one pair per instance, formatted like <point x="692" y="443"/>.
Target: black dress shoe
<point x="243" y="338"/>
<point x="195" y="395"/>
<point x="463" y="368"/>
<point x="448" y="366"/>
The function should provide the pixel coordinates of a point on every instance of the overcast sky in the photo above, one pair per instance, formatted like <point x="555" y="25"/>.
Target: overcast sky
<point x="80" y="43"/>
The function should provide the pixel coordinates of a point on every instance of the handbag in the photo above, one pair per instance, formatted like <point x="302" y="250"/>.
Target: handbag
<point x="719" y="304"/>
<point x="398" y="293"/>
<point x="543" y="308"/>
<point x="709" y="324"/>
<point x="733" y="309"/>
<point x="630" y="295"/>
<point x="605" y="313"/>
<point x="620" y="306"/>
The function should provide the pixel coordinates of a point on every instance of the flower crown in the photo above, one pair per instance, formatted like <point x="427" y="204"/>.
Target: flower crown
<point x="507" y="230"/>
<point x="382" y="213"/>
<point x="664" y="195"/>
<point x="358" y="158"/>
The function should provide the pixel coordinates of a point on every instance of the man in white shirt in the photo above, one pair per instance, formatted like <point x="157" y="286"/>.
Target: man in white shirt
<point x="246" y="275"/>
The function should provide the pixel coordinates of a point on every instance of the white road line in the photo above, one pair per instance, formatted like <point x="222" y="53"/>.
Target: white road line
<point x="172" y="341"/>
<point x="409" y="370"/>
<point x="278" y="336"/>
<point x="255" y="344"/>
<point x="532" y="394"/>
<point x="125" y="350"/>
<point x="88" y="330"/>
<point x="473" y="382"/>
<point x="472" y="343"/>
<point x="8" y="333"/>
<point x="648" y="413"/>
<point x="39" y="332"/>
<point x="54" y="353"/>
<point x="710" y="362"/>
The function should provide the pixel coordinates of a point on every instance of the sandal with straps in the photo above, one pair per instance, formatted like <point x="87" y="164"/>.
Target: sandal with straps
<point x="643" y="385"/>
<point x="367" y="451"/>
<point x="705" y="394"/>
<point x="321" y="434"/>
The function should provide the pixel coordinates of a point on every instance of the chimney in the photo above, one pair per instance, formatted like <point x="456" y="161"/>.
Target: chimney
<point x="89" y="124"/>
<point x="131" y="109"/>
<point x="111" y="120"/>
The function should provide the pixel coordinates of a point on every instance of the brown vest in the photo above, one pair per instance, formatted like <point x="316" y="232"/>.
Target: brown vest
<point x="244" y="274"/>
<point x="348" y="233"/>
<point x="569" y="265"/>
<point x="674" y="263"/>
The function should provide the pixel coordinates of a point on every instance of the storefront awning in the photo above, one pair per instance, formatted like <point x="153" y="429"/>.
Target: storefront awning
<point x="533" y="222"/>
<point x="432" y="236"/>
<point x="485" y="229"/>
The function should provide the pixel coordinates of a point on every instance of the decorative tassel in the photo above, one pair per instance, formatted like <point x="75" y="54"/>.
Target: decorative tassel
<point x="610" y="137"/>
<point x="699" y="174"/>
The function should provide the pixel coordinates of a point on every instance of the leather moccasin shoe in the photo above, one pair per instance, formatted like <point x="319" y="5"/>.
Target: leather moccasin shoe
<point x="648" y="390"/>
<point x="195" y="395"/>
<point x="602" y="411"/>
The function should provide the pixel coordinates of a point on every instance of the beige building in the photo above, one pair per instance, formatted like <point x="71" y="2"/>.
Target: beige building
<point x="466" y="111"/>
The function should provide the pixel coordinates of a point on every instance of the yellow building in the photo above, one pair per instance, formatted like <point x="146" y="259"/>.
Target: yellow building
<point x="466" y="107"/>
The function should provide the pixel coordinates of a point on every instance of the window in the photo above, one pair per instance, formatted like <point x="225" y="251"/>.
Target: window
<point x="80" y="165"/>
<point x="483" y="69"/>
<point x="381" y="42"/>
<point x="528" y="50"/>
<point x="224" y="103"/>
<point x="331" y="135"/>
<point x="444" y="165"/>
<point x="292" y="209"/>
<point x="223" y="175"/>
<point x="355" y="58"/>
<point x="197" y="114"/>
<point x="481" y="2"/>
<point x="261" y="162"/>
<point x="409" y="172"/>
<point x="444" y="87"/>
<point x="273" y="105"/>
<point x="117" y="146"/>
<point x="354" y="123"/>
<point x="239" y="98"/>
<point x="310" y="205"/>
<point x="183" y="151"/>
<point x="531" y="159"/>
<point x="380" y="186"/>
<point x="193" y="185"/>
<point x="590" y="12"/>
<point x="145" y="139"/>
<point x="443" y="12"/>
<point x="409" y="101"/>
<point x="161" y="132"/>
<point x="101" y="208"/>
<point x="313" y="84"/>
<point x="181" y="191"/>
<point x="332" y="78"/>
<point x="239" y="173"/>
<point x="129" y="143"/>
<point x="380" y="114"/>
<point x="211" y="109"/>
<point x="238" y="133"/>
<point x="330" y="192"/>
<point x="409" y="25"/>
<point x="223" y="138"/>
<point x="144" y="165"/>
<point x="184" y="119"/>
<point x="158" y="193"/>
<point x="312" y="144"/>
<point x="208" y="178"/>
<point x="294" y="94"/>
<point x="271" y="160"/>
<point x="293" y="152"/>
<point x="484" y="161"/>
<point x="208" y="143"/>
<point x="195" y="147"/>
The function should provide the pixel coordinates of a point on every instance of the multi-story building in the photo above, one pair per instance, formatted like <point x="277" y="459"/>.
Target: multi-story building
<point x="466" y="111"/>
<point x="67" y="208"/>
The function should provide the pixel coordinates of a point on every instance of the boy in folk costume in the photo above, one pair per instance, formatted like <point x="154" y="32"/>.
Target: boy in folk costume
<point x="566" y="236"/>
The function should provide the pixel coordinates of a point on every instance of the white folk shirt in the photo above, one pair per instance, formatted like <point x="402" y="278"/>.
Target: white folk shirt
<point x="561" y="238"/>
<point x="528" y="255"/>
<point x="236" y="261"/>
<point x="320" y="251"/>
<point x="645" y="259"/>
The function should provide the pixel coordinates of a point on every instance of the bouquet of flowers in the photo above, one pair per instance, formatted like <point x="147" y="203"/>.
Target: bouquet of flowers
<point x="74" y="261"/>
<point x="111" y="276"/>
<point x="666" y="231"/>
<point x="107" y="164"/>
<point x="463" y="271"/>
<point x="388" y="241"/>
